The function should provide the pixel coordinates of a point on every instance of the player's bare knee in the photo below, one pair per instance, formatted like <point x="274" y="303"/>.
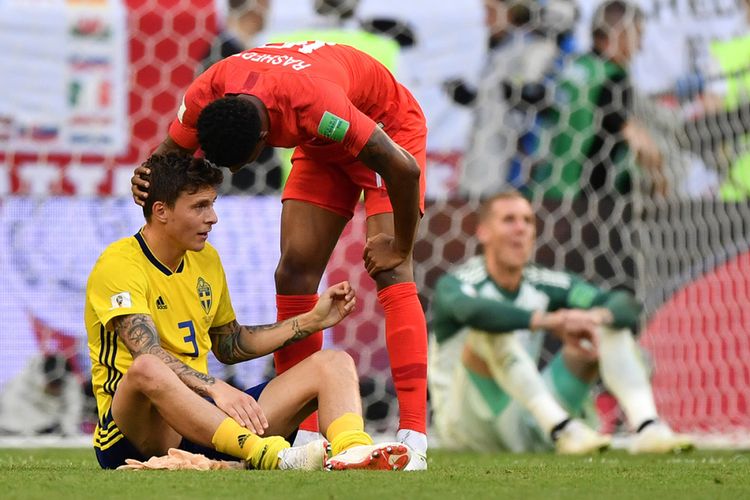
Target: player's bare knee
<point x="146" y="372"/>
<point x="343" y="366"/>
<point x="344" y="363"/>
<point x="336" y="364"/>
<point x="323" y="359"/>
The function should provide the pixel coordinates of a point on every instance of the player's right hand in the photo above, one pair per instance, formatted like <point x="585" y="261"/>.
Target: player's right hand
<point x="577" y="327"/>
<point x="584" y="342"/>
<point x="139" y="184"/>
<point x="334" y="305"/>
<point x="579" y="330"/>
<point x="380" y="254"/>
<point x="243" y="408"/>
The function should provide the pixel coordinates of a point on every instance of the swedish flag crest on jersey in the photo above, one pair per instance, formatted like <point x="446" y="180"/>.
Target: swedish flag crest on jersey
<point x="204" y="294"/>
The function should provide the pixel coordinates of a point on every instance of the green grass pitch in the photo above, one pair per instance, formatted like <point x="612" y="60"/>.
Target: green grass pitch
<point x="73" y="473"/>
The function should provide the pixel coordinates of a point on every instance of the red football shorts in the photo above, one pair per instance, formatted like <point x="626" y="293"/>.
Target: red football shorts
<point x="330" y="178"/>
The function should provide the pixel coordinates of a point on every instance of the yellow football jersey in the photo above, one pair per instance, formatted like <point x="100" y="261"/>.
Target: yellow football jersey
<point x="128" y="279"/>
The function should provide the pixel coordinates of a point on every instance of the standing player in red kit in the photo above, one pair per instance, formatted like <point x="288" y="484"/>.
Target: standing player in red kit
<point x="355" y="128"/>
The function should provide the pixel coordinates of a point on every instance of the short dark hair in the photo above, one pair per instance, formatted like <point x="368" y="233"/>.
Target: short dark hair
<point x="612" y="14"/>
<point x="229" y="130"/>
<point x="173" y="174"/>
<point x="485" y="208"/>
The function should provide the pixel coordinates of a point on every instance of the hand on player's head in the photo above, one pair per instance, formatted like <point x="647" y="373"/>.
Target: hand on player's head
<point x="139" y="184"/>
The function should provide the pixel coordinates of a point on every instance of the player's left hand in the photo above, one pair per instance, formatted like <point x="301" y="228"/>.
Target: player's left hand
<point x="242" y="407"/>
<point x="380" y="254"/>
<point x="334" y="304"/>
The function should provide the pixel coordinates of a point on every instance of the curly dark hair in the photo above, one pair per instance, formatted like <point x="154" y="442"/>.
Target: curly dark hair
<point x="228" y="131"/>
<point x="173" y="174"/>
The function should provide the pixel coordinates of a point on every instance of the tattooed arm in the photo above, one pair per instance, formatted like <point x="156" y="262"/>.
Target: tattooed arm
<point x="138" y="333"/>
<point x="400" y="172"/>
<point x="233" y="342"/>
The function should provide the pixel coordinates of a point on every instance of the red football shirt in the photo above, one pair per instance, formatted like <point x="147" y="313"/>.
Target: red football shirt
<point x="317" y="94"/>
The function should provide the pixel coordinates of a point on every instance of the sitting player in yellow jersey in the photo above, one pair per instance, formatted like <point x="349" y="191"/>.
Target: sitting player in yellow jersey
<point x="156" y="303"/>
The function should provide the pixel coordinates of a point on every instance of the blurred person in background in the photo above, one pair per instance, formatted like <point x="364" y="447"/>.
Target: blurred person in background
<point x="525" y="39"/>
<point x="45" y="398"/>
<point x="592" y="127"/>
<point x="585" y="175"/>
<point x="590" y="144"/>
<point x="732" y="88"/>
<point x="490" y="317"/>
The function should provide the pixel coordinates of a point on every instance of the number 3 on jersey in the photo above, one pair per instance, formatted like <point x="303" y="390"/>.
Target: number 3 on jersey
<point x="304" y="47"/>
<point x="190" y="337"/>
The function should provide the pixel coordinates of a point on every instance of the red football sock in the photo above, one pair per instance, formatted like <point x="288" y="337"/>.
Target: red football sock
<point x="288" y="306"/>
<point x="406" y="339"/>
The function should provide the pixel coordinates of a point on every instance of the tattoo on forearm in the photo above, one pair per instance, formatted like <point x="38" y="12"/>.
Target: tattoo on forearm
<point x="227" y="340"/>
<point x="299" y="334"/>
<point x="232" y="342"/>
<point x="138" y="333"/>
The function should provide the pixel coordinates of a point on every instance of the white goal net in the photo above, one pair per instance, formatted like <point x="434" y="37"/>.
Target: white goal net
<point x="91" y="86"/>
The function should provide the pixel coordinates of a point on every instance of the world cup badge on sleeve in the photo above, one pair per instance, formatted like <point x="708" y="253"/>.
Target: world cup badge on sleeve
<point x="121" y="299"/>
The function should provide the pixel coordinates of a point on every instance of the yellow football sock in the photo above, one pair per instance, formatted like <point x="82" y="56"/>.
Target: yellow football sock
<point x="233" y="439"/>
<point x="264" y="453"/>
<point x="347" y="431"/>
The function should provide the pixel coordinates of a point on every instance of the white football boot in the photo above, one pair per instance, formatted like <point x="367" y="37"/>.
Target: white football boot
<point x="417" y="444"/>
<point x="311" y="456"/>
<point x="576" y="438"/>
<point x="659" y="438"/>
<point x="417" y="461"/>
